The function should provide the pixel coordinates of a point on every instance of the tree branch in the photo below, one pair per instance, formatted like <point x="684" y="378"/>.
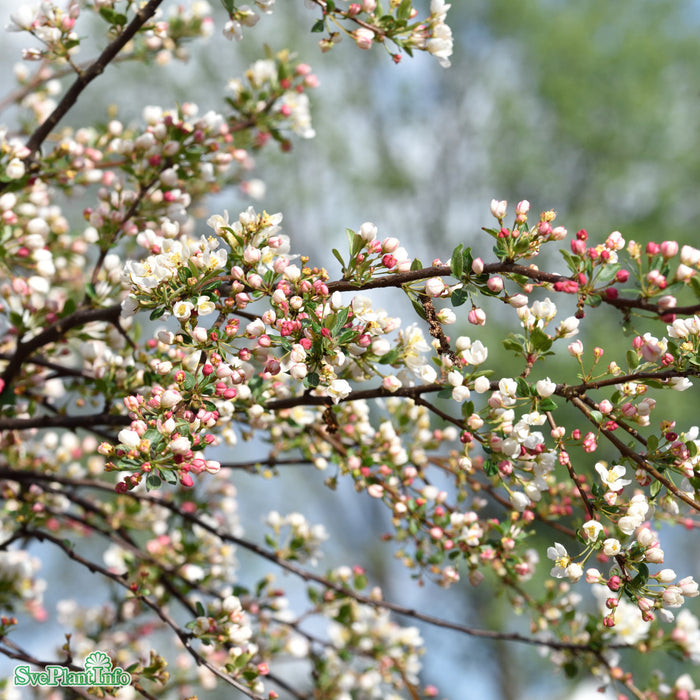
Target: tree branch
<point x="183" y="636"/>
<point x="88" y="75"/>
<point x="54" y="333"/>
<point x="298" y="571"/>
<point x="309" y="400"/>
<point x="635" y="457"/>
<point x="86" y="421"/>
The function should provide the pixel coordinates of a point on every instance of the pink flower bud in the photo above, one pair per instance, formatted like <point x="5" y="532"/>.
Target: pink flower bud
<point x="669" y="249"/>
<point x="498" y="208"/>
<point x="389" y="245"/>
<point x="578" y="247"/>
<point x="654" y="555"/>
<point x="495" y="283"/>
<point x="477" y="317"/>
<point x="363" y="38"/>
<point x="477" y="266"/>
<point x="684" y="272"/>
<point x="614" y="583"/>
<point x="522" y="208"/>
<point x="434" y="287"/>
<point x="576" y="348"/>
<point x="170" y="398"/>
<point x="690" y="256"/>
<point x="605" y="406"/>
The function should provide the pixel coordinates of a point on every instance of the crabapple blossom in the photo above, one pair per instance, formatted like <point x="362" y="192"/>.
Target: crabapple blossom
<point x="498" y="208"/>
<point x="612" y="478"/>
<point x="545" y="387"/>
<point x="141" y="349"/>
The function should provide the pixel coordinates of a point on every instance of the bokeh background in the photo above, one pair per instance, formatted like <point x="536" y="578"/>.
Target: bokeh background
<point x="587" y="107"/>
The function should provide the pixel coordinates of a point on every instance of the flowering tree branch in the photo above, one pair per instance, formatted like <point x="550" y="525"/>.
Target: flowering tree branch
<point x="86" y="76"/>
<point x="464" y="451"/>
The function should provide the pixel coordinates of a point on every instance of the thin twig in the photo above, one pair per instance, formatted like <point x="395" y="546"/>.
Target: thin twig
<point x="634" y="456"/>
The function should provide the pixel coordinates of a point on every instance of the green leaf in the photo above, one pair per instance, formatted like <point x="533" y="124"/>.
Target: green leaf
<point x="490" y="468"/>
<point x="632" y="359"/>
<point x="572" y="261"/>
<point x="189" y="382"/>
<point x="695" y="284"/>
<point x="416" y="264"/>
<point x="467" y="409"/>
<point x="69" y="307"/>
<point x="547" y="405"/>
<point x="419" y="308"/>
<point x="540" y="340"/>
<point x="113" y="17"/>
<point x="157" y="313"/>
<point x="639" y="581"/>
<point x="229" y="7"/>
<point x="467" y="260"/>
<point x="318" y="27"/>
<point x="654" y="489"/>
<point x="652" y="444"/>
<point x="169" y="476"/>
<point x="570" y="669"/>
<point x="597" y="416"/>
<point x="457" y="262"/>
<point x="404" y="11"/>
<point x="341" y="318"/>
<point x="90" y="291"/>
<point x="346" y="336"/>
<point x="389" y="358"/>
<point x="512" y="344"/>
<point x="523" y="387"/>
<point x="339" y="258"/>
<point x="153" y="481"/>
<point x="344" y="615"/>
<point x="312" y="379"/>
<point x="152" y="435"/>
<point x="459" y="296"/>
<point x="607" y="274"/>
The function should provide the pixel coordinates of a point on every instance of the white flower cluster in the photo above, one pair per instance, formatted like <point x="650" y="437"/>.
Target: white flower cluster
<point x="304" y="540"/>
<point x="188" y="255"/>
<point x="227" y="620"/>
<point x="49" y="23"/>
<point x="245" y="16"/>
<point x="18" y="580"/>
<point x="440" y="43"/>
<point x="371" y="629"/>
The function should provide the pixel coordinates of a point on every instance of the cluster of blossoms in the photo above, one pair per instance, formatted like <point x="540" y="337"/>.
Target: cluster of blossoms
<point x="244" y="16"/>
<point x="375" y="24"/>
<point x="53" y="25"/>
<point x="500" y="440"/>
<point x="467" y="454"/>
<point x="19" y="582"/>
<point x="394" y="650"/>
<point x="302" y="542"/>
